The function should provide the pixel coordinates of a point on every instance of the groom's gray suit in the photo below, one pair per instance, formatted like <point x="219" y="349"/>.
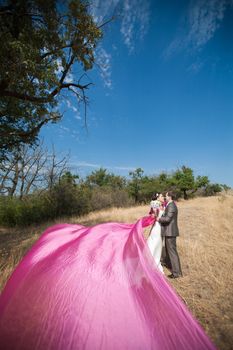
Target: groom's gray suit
<point x="169" y="230"/>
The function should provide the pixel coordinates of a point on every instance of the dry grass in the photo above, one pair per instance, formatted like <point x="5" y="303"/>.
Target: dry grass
<point x="205" y="246"/>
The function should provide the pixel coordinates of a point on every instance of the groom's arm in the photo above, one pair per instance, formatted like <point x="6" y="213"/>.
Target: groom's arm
<point x="167" y="218"/>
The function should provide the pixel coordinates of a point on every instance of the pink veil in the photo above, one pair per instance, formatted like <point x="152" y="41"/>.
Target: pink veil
<point x="94" y="288"/>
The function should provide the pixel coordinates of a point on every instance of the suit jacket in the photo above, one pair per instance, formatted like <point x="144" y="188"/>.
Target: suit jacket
<point x="168" y="221"/>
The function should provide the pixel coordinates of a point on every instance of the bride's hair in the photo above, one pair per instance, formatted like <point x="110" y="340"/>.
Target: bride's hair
<point x="155" y="196"/>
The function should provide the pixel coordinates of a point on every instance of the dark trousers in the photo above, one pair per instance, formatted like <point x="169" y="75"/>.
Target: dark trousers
<point x="170" y="256"/>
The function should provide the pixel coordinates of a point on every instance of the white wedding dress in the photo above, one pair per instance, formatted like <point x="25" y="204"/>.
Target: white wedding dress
<point x="155" y="243"/>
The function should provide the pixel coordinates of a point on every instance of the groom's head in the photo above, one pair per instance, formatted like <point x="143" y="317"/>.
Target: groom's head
<point x="170" y="196"/>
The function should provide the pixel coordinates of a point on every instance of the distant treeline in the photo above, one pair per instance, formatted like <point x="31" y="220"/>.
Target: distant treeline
<point x="36" y="189"/>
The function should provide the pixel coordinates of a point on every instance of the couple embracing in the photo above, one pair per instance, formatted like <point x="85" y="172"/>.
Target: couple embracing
<point x="165" y="229"/>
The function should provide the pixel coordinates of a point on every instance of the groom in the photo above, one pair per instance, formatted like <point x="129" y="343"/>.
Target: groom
<point x="169" y="230"/>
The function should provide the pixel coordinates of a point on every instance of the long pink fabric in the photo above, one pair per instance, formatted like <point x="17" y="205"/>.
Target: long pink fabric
<point x="94" y="288"/>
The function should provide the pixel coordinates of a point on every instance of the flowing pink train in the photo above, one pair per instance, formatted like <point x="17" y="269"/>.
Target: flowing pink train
<point x="94" y="288"/>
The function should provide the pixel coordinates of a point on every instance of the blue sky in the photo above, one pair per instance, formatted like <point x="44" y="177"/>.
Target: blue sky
<point x="164" y="95"/>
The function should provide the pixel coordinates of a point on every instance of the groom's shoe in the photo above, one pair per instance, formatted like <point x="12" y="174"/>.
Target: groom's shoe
<point x="174" y="276"/>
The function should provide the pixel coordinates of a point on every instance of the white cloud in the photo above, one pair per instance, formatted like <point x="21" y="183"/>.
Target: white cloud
<point x="70" y="106"/>
<point x="72" y="133"/>
<point x="133" y="15"/>
<point x="195" y="67"/>
<point x="69" y="78"/>
<point x="85" y="164"/>
<point x="133" y="18"/>
<point x="135" y="21"/>
<point x="202" y="20"/>
<point x="76" y="114"/>
<point x="78" y="117"/>
<point x="64" y="128"/>
<point x="176" y="45"/>
<point x="124" y="168"/>
<point x="103" y="61"/>
<point x="100" y="9"/>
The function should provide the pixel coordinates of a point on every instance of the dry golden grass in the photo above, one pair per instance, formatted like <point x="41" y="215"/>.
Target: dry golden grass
<point x="205" y="246"/>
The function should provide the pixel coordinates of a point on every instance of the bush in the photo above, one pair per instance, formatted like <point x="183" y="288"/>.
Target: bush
<point x="212" y="189"/>
<point x="105" y="197"/>
<point x="121" y="198"/>
<point x="22" y="212"/>
<point x="63" y="199"/>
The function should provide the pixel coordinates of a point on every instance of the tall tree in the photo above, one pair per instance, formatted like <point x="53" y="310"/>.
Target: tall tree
<point x="185" y="180"/>
<point x="101" y="178"/>
<point x="135" y="183"/>
<point x="41" y="41"/>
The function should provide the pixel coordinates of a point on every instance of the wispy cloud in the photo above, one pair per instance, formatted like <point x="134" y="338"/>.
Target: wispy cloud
<point x="103" y="60"/>
<point x="85" y="164"/>
<point x="102" y="9"/>
<point x="133" y="15"/>
<point x="64" y="128"/>
<point x="124" y="168"/>
<point x="76" y="115"/>
<point x="72" y="132"/>
<point x="203" y="18"/>
<point x="70" y="106"/>
<point x="133" y="19"/>
<point x="195" y="67"/>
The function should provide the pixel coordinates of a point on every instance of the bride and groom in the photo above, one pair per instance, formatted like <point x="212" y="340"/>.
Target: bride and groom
<point x="165" y="229"/>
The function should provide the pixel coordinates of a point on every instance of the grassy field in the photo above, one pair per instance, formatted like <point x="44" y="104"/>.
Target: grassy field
<point x="206" y="251"/>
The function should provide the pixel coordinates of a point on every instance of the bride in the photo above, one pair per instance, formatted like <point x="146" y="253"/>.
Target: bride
<point x="155" y="239"/>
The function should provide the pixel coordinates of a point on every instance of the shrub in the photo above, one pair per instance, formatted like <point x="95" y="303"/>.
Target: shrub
<point x="105" y="197"/>
<point x="22" y="212"/>
<point x="212" y="189"/>
<point x="63" y="199"/>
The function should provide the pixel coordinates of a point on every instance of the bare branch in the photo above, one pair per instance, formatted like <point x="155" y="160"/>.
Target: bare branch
<point x="31" y="168"/>
<point x="105" y="23"/>
<point x="48" y="99"/>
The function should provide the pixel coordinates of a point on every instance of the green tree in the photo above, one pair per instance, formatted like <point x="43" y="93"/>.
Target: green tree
<point x="116" y="181"/>
<point x="201" y="182"/>
<point x="101" y="178"/>
<point x="184" y="180"/>
<point x="41" y="41"/>
<point x="148" y="186"/>
<point x="69" y="178"/>
<point x="68" y="197"/>
<point x="135" y="183"/>
<point x="98" y="178"/>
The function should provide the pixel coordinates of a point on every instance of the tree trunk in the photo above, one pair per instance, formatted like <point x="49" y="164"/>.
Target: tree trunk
<point x="185" y="195"/>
